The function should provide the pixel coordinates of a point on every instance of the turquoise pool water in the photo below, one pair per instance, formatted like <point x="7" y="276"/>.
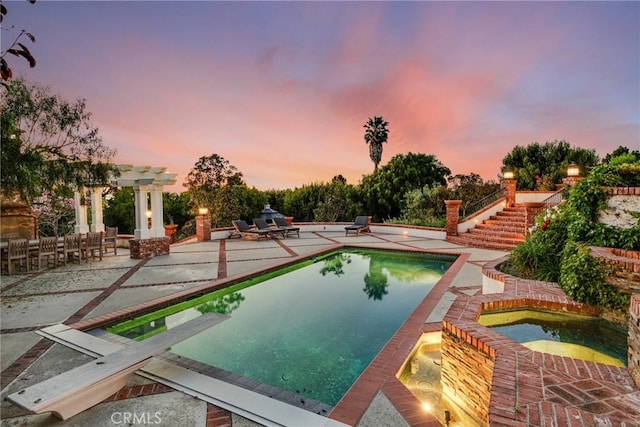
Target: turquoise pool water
<point x="312" y="330"/>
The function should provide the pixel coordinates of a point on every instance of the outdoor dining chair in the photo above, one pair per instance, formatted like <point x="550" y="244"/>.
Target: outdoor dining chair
<point x="47" y="250"/>
<point x="71" y="248"/>
<point x="111" y="240"/>
<point x="17" y="252"/>
<point x="92" y="245"/>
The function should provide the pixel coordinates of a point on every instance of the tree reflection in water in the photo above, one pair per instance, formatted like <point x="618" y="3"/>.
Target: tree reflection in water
<point x="223" y="305"/>
<point x="375" y="283"/>
<point x="335" y="265"/>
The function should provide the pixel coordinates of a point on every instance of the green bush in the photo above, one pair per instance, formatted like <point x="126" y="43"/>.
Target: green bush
<point x="537" y="257"/>
<point x="583" y="277"/>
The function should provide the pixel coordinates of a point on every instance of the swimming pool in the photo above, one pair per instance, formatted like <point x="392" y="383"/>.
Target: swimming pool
<point x="309" y="330"/>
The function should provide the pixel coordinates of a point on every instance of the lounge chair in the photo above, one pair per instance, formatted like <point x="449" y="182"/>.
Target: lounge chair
<point x="244" y="229"/>
<point x="360" y="225"/>
<point x="262" y="224"/>
<point x="282" y="223"/>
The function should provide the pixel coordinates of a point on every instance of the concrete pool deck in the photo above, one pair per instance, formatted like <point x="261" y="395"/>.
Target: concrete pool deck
<point x="80" y="293"/>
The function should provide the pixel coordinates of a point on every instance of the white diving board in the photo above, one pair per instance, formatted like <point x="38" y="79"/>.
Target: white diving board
<point x="87" y="385"/>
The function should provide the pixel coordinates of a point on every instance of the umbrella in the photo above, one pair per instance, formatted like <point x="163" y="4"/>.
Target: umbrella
<point x="269" y="213"/>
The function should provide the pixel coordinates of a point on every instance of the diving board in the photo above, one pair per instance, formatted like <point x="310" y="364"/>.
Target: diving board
<point x="87" y="385"/>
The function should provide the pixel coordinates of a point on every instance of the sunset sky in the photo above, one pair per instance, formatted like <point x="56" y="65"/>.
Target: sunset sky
<point x="282" y="89"/>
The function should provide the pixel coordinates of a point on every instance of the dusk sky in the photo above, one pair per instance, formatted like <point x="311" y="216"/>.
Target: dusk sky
<point x="282" y="89"/>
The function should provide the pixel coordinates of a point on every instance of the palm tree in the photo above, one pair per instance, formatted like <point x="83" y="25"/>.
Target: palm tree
<point x="375" y="134"/>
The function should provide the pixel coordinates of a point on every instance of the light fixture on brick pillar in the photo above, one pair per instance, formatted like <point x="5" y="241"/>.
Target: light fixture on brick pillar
<point x="573" y="170"/>
<point x="573" y="175"/>
<point x="508" y="184"/>
<point x="203" y="225"/>
<point x="149" y="214"/>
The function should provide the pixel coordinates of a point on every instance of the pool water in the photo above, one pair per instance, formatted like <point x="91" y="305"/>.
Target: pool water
<point x="312" y="330"/>
<point x="579" y="337"/>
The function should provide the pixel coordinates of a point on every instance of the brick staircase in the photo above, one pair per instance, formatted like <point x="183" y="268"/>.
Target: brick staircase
<point x="503" y="231"/>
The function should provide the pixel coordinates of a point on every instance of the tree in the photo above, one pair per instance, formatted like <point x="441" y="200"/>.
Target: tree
<point x="48" y="143"/>
<point x="119" y="210"/>
<point x="17" y="48"/>
<point x="216" y="184"/>
<point x="56" y="213"/>
<point x="376" y="133"/>
<point x="619" y="152"/>
<point x="209" y="174"/>
<point x="383" y="191"/>
<point x="471" y="189"/>
<point x="542" y="166"/>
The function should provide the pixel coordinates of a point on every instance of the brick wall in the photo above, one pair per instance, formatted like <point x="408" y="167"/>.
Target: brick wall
<point x="453" y="216"/>
<point x="147" y="248"/>
<point x="466" y="372"/>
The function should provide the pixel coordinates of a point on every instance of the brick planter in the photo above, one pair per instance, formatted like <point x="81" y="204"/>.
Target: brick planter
<point x="148" y="248"/>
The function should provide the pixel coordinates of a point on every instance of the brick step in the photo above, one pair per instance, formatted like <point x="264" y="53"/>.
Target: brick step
<point x="508" y="214"/>
<point x="465" y="241"/>
<point x="517" y="227"/>
<point x="493" y="234"/>
<point x="508" y="217"/>
<point x="505" y="220"/>
<point x="506" y="227"/>
<point x="492" y="237"/>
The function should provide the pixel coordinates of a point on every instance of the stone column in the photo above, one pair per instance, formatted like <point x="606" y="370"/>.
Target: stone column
<point x="453" y="216"/>
<point x="203" y="228"/>
<point x="142" y="224"/>
<point x="157" y="220"/>
<point x="509" y="189"/>
<point x="81" y="213"/>
<point x="97" y="221"/>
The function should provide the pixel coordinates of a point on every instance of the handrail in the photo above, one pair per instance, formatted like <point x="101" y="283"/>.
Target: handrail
<point x="481" y="203"/>
<point x="554" y="199"/>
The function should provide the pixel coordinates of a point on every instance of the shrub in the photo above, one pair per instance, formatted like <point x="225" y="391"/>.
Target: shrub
<point x="582" y="278"/>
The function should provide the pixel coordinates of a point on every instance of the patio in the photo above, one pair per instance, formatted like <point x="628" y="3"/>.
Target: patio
<point x="87" y="293"/>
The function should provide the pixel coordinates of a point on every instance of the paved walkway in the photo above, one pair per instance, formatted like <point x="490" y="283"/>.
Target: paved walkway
<point x="79" y="293"/>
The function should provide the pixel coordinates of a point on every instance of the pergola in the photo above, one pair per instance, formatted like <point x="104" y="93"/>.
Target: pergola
<point x="148" y="183"/>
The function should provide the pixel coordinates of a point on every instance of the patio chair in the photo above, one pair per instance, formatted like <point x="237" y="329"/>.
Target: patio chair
<point x="71" y="249"/>
<point x="244" y="229"/>
<point x="360" y="225"/>
<point x="92" y="245"/>
<point x="282" y="223"/>
<point x="262" y="224"/>
<point x="17" y="251"/>
<point x="111" y="240"/>
<point x="47" y="250"/>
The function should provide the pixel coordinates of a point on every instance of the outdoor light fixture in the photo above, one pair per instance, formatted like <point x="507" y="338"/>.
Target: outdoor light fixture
<point x="573" y="170"/>
<point x="509" y="174"/>
<point x="203" y="211"/>
<point x="149" y="214"/>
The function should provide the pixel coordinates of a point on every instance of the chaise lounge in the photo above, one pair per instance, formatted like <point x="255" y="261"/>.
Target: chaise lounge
<point x="261" y="223"/>
<point x="244" y="229"/>
<point x="360" y="225"/>
<point x="282" y="223"/>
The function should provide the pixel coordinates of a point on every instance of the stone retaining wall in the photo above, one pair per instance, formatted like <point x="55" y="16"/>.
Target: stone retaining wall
<point x="634" y="339"/>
